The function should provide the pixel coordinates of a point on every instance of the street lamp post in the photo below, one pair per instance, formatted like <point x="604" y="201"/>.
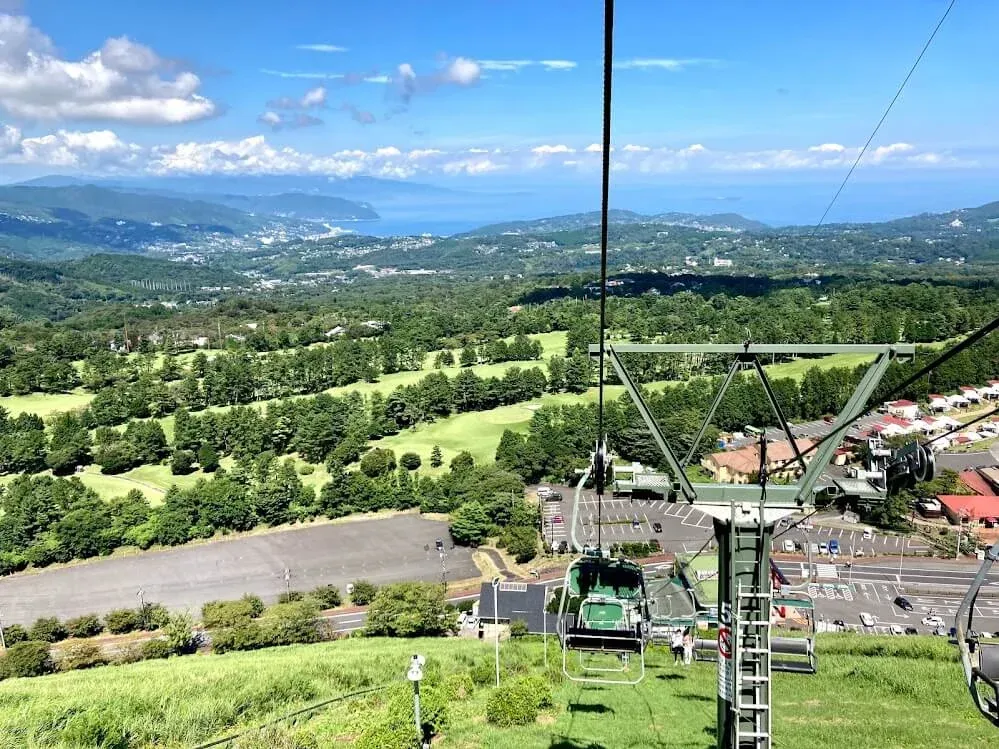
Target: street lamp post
<point x="496" y="582"/>
<point x="142" y="605"/>
<point x="414" y="674"/>
<point x="3" y="642"/>
<point x="443" y="569"/>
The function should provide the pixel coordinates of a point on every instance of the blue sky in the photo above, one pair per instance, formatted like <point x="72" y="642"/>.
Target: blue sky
<point x="506" y="92"/>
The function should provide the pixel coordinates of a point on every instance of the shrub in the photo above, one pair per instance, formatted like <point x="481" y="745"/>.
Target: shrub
<point x="129" y="653"/>
<point x="179" y="634"/>
<point x="256" y="605"/>
<point x="248" y="635"/>
<point x="483" y="673"/>
<point x="82" y="655"/>
<point x="306" y="469"/>
<point x="14" y="634"/>
<point x="121" y="621"/>
<point x="156" y="648"/>
<point x="518" y="628"/>
<point x="31" y="658"/>
<point x="290" y="623"/>
<point x="409" y="610"/>
<point x="363" y="592"/>
<point x="410" y="461"/>
<point x="290" y="596"/>
<point x="327" y="596"/>
<point x="153" y="616"/>
<point x="466" y="605"/>
<point x="87" y="625"/>
<point x="218" y="614"/>
<point x="395" y="730"/>
<point x="517" y="702"/>
<point x="48" y="629"/>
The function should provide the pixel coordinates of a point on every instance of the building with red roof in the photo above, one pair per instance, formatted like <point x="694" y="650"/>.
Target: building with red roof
<point x="974" y="509"/>
<point x="904" y="409"/>
<point x="975" y="481"/>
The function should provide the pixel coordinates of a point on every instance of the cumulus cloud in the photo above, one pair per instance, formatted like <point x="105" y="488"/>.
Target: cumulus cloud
<point x="311" y="99"/>
<point x="664" y="63"/>
<point x="104" y="151"/>
<point x="461" y="71"/>
<point x="321" y="47"/>
<point x="122" y="81"/>
<point x="827" y="148"/>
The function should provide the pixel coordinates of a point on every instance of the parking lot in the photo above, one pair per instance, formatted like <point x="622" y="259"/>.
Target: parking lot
<point x="683" y="528"/>
<point x="851" y="542"/>
<point x="381" y="550"/>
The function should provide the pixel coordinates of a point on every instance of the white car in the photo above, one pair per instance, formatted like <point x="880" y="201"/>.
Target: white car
<point x="868" y="534"/>
<point x="866" y="619"/>
<point x="788" y="546"/>
<point x="858" y="553"/>
<point x="895" y="629"/>
<point x="544" y="492"/>
<point x="823" y="548"/>
<point x="932" y="621"/>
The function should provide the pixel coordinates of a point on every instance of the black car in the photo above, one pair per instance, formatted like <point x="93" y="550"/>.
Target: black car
<point x="657" y="527"/>
<point x="911" y="631"/>
<point x="839" y="623"/>
<point x="903" y="603"/>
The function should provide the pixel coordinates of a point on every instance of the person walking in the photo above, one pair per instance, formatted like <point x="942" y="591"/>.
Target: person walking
<point x="676" y="645"/>
<point x="688" y="647"/>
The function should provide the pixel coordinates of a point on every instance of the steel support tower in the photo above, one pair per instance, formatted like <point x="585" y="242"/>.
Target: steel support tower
<point x="744" y="518"/>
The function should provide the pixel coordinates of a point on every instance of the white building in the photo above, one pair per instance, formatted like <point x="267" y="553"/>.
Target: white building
<point x="938" y="404"/>
<point x="958" y="401"/>
<point x="903" y="409"/>
<point x="970" y="393"/>
<point x="338" y="330"/>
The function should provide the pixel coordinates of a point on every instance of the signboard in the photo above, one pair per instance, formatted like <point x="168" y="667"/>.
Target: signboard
<point x="725" y="651"/>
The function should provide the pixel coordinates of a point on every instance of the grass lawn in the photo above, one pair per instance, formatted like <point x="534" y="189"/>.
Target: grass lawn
<point x="45" y="404"/>
<point x="904" y="693"/>
<point x="796" y="369"/>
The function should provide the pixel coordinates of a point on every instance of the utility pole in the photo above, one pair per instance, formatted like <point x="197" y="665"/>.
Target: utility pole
<point x="496" y="582"/>
<point x="142" y="605"/>
<point x="287" y="580"/>
<point x="443" y="570"/>
<point x="3" y="642"/>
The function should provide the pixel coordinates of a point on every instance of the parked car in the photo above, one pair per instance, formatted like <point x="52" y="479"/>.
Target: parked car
<point x="903" y="603"/>
<point x="895" y="629"/>
<point x="833" y="546"/>
<point x="932" y="621"/>
<point x="858" y="552"/>
<point x="911" y="631"/>
<point x="866" y="619"/>
<point x="868" y="534"/>
<point x="563" y="547"/>
<point x="544" y="492"/>
<point x="839" y="623"/>
<point x="440" y="544"/>
<point x="635" y="523"/>
<point x="657" y="527"/>
<point x="788" y="545"/>
<point x="823" y="548"/>
<point x="554" y="497"/>
<point x="814" y="549"/>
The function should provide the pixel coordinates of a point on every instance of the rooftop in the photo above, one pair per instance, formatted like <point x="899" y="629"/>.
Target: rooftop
<point x="973" y="506"/>
<point x="975" y="481"/>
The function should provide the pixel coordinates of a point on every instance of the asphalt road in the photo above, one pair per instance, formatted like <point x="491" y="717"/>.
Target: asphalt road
<point x="380" y="550"/>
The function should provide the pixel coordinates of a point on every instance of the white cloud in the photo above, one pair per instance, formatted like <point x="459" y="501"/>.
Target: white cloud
<point x="270" y="118"/>
<point x="462" y="71"/>
<point x="293" y="74"/>
<point x="320" y="47"/>
<point x="315" y="97"/>
<point x="558" y="64"/>
<point x="504" y="65"/>
<point x="828" y="148"/>
<point x="663" y="63"/>
<point x="103" y="151"/>
<point x="123" y="81"/>
<point x="549" y="150"/>
<point x="594" y="148"/>
<point x="515" y="66"/>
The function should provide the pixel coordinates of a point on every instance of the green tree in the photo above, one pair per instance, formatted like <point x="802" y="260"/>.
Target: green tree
<point x="87" y="625"/>
<point x="409" y="610"/>
<point x="182" y="462"/>
<point x="327" y="596"/>
<point x="378" y="462"/>
<point x="470" y="524"/>
<point x="410" y="461"/>
<point x="208" y="458"/>
<point x="436" y="458"/>
<point x="48" y="629"/>
<point x="521" y="543"/>
<point x="69" y="444"/>
<point x="462" y="462"/>
<point x="518" y="628"/>
<point x="469" y="356"/>
<point x="578" y="373"/>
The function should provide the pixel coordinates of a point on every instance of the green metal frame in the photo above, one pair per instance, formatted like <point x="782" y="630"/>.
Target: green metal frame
<point x="797" y="495"/>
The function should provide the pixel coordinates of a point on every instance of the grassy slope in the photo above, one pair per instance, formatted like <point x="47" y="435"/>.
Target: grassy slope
<point x="911" y="696"/>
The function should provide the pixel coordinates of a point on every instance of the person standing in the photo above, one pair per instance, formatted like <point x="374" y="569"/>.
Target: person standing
<point x="676" y="645"/>
<point x="688" y="647"/>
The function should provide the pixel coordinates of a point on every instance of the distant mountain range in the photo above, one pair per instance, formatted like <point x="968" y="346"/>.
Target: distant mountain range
<point x="576" y="221"/>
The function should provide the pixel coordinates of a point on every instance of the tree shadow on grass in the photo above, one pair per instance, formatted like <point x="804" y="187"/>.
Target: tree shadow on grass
<point x="697" y="697"/>
<point x="574" y="708"/>
<point x="566" y="743"/>
<point x="671" y="677"/>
